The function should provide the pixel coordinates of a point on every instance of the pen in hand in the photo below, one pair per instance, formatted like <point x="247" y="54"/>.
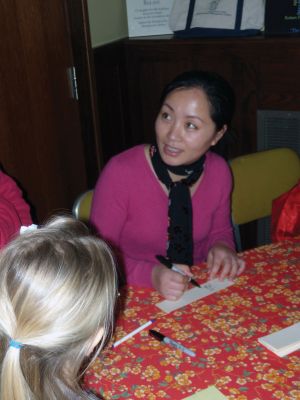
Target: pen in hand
<point x="167" y="263"/>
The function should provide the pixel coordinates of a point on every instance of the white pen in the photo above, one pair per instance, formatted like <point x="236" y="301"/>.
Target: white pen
<point x="137" y="330"/>
<point x="162" y="338"/>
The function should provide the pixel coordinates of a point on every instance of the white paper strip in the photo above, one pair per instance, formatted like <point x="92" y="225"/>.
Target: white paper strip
<point x="283" y="342"/>
<point x="211" y="393"/>
<point x="194" y="294"/>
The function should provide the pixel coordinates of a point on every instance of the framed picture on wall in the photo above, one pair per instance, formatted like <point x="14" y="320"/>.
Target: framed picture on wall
<point x="148" y="17"/>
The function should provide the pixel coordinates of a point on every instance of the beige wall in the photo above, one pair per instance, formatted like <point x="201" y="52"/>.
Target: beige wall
<point x="108" y="21"/>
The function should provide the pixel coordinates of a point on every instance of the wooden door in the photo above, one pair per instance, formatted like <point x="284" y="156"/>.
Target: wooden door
<point x="41" y="143"/>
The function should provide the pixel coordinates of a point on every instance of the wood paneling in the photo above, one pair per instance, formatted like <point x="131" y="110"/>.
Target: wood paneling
<point x="264" y="73"/>
<point x="112" y="99"/>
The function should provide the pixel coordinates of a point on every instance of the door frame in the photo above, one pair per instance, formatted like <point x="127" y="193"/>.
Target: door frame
<point x="77" y="15"/>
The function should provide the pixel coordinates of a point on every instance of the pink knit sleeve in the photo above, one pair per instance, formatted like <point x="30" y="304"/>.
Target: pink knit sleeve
<point x="221" y="229"/>
<point x="14" y="211"/>
<point x="108" y="216"/>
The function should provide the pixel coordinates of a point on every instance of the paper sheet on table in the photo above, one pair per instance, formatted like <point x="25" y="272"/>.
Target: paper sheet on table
<point x="211" y="393"/>
<point x="194" y="294"/>
<point x="283" y="342"/>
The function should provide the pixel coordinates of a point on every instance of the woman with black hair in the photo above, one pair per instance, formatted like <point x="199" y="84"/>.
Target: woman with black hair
<point x="172" y="198"/>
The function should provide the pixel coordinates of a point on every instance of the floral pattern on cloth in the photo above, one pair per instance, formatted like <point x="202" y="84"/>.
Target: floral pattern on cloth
<point x="222" y="329"/>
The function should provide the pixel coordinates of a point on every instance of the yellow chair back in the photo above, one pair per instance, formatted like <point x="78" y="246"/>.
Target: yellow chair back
<point x="258" y="179"/>
<point x="82" y="206"/>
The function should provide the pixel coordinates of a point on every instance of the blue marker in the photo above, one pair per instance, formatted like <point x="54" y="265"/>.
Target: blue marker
<point x="162" y="338"/>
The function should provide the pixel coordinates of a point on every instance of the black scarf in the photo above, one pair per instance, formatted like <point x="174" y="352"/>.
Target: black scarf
<point x="180" y="213"/>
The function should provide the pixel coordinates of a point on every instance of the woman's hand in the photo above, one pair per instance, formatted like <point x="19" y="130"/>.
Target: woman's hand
<point x="169" y="283"/>
<point x="223" y="262"/>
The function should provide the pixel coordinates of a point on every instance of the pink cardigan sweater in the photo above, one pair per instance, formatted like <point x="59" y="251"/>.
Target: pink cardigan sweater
<point x="14" y="211"/>
<point x="130" y="210"/>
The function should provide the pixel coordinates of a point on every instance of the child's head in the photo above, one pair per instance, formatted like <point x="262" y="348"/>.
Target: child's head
<point x="57" y="295"/>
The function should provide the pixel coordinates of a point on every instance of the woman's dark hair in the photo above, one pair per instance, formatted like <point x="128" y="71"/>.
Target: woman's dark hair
<point x="218" y="91"/>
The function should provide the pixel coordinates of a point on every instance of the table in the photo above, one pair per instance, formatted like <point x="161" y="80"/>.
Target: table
<point x="222" y="329"/>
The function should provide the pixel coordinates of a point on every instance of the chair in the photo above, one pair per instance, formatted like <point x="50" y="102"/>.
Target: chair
<point x="258" y="178"/>
<point x="82" y="206"/>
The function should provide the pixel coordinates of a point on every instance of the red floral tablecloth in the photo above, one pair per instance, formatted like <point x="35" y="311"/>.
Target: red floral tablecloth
<point x="222" y="329"/>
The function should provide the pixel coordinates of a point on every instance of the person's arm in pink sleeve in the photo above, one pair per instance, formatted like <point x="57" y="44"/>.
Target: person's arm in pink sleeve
<point x="109" y="209"/>
<point x="9" y="222"/>
<point x="108" y="215"/>
<point x="14" y="212"/>
<point x="221" y="231"/>
<point x="222" y="260"/>
<point x="133" y="273"/>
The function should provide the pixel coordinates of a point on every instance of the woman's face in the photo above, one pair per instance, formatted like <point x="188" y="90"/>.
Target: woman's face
<point x="184" y="128"/>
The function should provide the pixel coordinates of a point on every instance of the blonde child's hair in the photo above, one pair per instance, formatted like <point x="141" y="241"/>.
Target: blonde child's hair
<point x="58" y="288"/>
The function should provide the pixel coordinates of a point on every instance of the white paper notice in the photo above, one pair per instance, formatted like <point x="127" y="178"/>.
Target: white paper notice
<point x="194" y="294"/>
<point x="148" y="17"/>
